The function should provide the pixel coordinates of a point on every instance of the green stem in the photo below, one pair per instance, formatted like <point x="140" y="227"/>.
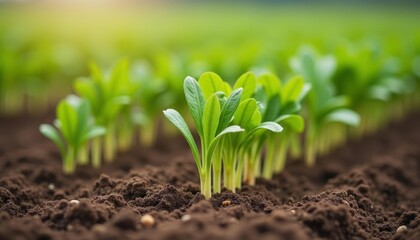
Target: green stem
<point x="96" y="152"/>
<point x="125" y="136"/>
<point x="269" y="159"/>
<point x="240" y="170"/>
<point x="280" y="161"/>
<point x="229" y="180"/>
<point x="295" y="146"/>
<point x="69" y="163"/>
<point x="109" y="140"/>
<point x="310" y="151"/>
<point x="82" y="154"/>
<point x="205" y="179"/>
<point x="217" y="174"/>
<point x="148" y="134"/>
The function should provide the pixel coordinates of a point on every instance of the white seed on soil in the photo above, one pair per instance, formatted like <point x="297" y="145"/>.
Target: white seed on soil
<point x="147" y="221"/>
<point x="402" y="229"/>
<point x="186" y="218"/>
<point x="74" y="202"/>
<point x="51" y="186"/>
<point x="293" y="212"/>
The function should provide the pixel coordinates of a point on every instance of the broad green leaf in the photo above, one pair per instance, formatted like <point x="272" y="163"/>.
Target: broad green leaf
<point x="270" y="83"/>
<point x="334" y="103"/>
<point x="195" y="101"/>
<point x="272" y="110"/>
<point x="379" y="92"/>
<point x="247" y="115"/>
<point x="211" y="83"/>
<point x="229" y="109"/>
<point x="93" y="132"/>
<point x="268" y="126"/>
<point x="345" y="116"/>
<point x="292" y="89"/>
<point x="52" y="133"/>
<point x="67" y="116"/>
<point x="291" y="122"/>
<point x="290" y="108"/>
<point x="248" y="82"/>
<point x="211" y="117"/>
<point x="176" y="119"/>
<point x="305" y="90"/>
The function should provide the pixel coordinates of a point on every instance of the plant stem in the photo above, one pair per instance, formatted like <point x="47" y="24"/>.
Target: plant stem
<point x="148" y="134"/>
<point x="269" y="159"/>
<point x="217" y="174"/>
<point x="96" y="152"/>
<point x="310" y="152"/>
<point x="82" y="154"/>
<point x="295" y="146"/>
<point x="280" y="161"/>
<point x="125" y="136"/>
<point x="205" y="179"/>
<point x="240" y="170"/>
<point x="109" y="141"/>
<point x="229" y="178"/>
<point x="69" y="164"/>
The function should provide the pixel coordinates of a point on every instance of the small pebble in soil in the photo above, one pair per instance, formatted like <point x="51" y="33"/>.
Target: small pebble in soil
<point x="226" y="203"/>
<point x="402" y="229"/>
<point x="99" y="228"/>
<point x="293" y="212"/>
<point x="186" y="218"/>
<point x="74" y="202"/>
<point x="70" y="227"/>
<point x="51" y="186"/>
<point x="147" y="221"/>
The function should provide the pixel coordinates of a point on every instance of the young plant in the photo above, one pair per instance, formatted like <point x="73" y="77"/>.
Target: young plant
<point x="211" y="119"/>
<point x="281" y="104"/>
<point x="75" y="129"/>
<point x="107" y="95"/>
<point x="323" y="106"/>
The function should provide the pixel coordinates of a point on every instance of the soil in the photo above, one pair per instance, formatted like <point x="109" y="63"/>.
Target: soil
<point x="369" y="189"/>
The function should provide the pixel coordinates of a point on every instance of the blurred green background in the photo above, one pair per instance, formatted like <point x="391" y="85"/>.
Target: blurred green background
<point x="44" y="45"/>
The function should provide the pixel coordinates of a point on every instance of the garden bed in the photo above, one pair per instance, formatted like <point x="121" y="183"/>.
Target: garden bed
<point x="366" y="190"/>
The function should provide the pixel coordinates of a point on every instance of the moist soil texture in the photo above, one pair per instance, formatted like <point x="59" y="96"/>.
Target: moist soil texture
<point x="368" y="189"/>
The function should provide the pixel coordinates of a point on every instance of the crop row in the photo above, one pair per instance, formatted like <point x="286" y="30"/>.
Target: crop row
<point x="246" y="128"/>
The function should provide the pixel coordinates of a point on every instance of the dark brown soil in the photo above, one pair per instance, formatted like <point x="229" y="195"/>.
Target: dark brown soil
<point x="366" y="190"/>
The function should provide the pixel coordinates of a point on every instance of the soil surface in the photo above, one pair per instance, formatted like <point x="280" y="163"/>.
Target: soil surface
<point x="369" y="189"/>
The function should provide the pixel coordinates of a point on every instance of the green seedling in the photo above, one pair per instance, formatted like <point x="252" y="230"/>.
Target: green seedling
<point x="107" y="95"/>
<point x="211" y="119"/>
<point x="323" y="106"/>
<point x="281" y="104"/>
<point x="73" y="129"/>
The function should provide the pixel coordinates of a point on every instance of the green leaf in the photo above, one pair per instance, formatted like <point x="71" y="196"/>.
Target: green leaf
<point x="380" y="93"/>
<point x="247" y="81"/>
<point x="247" y="115"/>
<point x="291" y="122"/>
<point x="52" y="133"/>
<point x="345" y="116"/>
<point x="195" y="101"/>
<point x="229" y="109"/>
<point x="292" y="90"/>
<point x="272" y="110"/>
<point x="211" y="117"/>
<point x="93" y="132"/>
<point x="176" y="119"/>
<point x="211" y="83"/>
<point x="67" y="116"/>
<point x="270" y="83"/>
<point x="269" y="126"/>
